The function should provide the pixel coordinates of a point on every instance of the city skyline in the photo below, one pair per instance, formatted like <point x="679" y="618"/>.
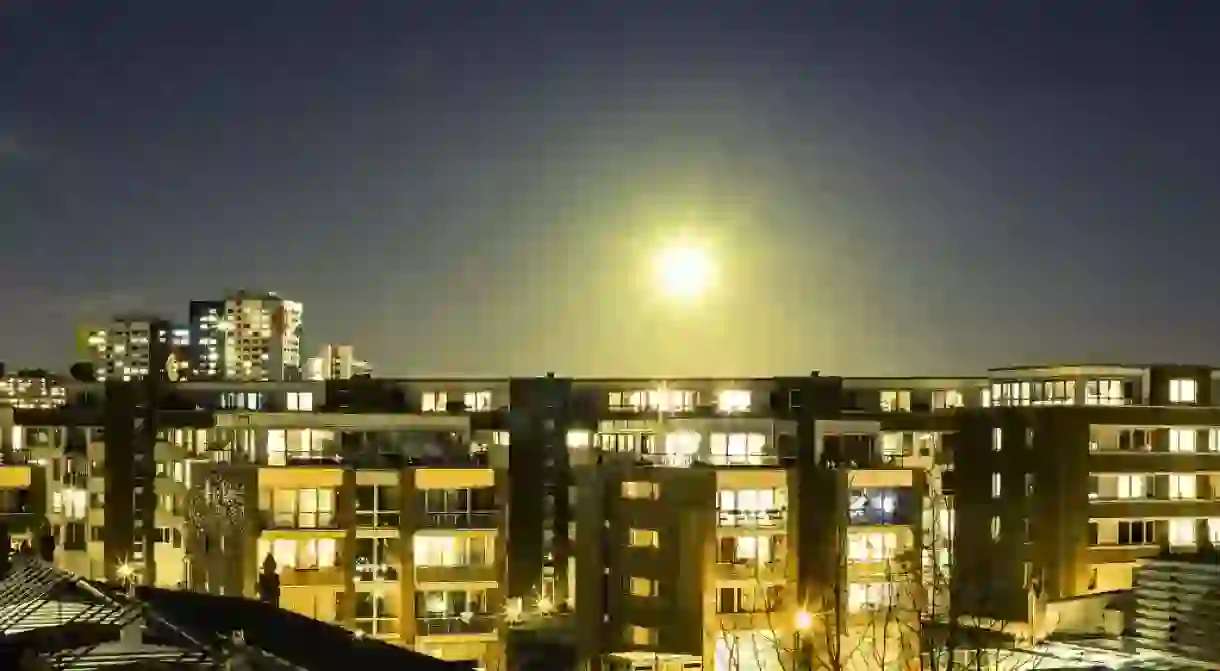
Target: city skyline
<point x="884" y="193"/>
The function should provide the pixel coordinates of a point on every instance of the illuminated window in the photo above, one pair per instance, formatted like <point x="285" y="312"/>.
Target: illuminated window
<point x="641" y="635"/>
<point x="302" y="554"/>
<point x="1132" y="486"/>
<point x="995" y="528"/>
<point x="896" y="401"/>
<point x="944" y="399"/>
<point x="757" y="507"/>
<point x="300" y="401"/>
<point x="995" y="485"/>
<point x="451" y="551"/>
<point x="1183" y="391"/>
<point x="1104" y="392"/>
<point x="737" y="448"/>
<point x="643" y="538"/>
<point x="870" y="596"/>
<point x="433" y="401"/>
<point x="733" y="400"/>
<point x="579" y="439"/>
<point x="642" y="587"/>
<point x="477" y="401"/>
<point x="1182" y="486"/>
<point x="753" y="548"/>
<point x="1182" y="531"/>
<point x="678" y="400"/>
<point x="869" y="547"/>
<point x="682" y="443"/>
<point x="1182" y="440"/>
<point x="997" y="439"/>
<point x="641" y="490"/>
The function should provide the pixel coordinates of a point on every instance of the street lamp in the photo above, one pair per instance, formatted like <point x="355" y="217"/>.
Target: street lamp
<point x="803" y="622"/>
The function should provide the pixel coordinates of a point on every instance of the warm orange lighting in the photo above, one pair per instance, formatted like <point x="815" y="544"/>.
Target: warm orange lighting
<point x="804" y="620"/>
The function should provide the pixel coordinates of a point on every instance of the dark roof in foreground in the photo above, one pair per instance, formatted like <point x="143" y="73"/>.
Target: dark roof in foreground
<point x="50" y="614"/>
<point x="297" y="639"/>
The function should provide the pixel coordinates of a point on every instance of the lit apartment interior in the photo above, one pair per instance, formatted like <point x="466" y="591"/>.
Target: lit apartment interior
<point x="387" y="524"/>
<point x="732" y="510"/>
<point x="456" y="547"/>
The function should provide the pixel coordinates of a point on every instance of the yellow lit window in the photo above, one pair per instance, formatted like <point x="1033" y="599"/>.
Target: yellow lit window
<point x="733" y="400"/>
<point x="643" y="587"/>
<point x="644" y="538"/>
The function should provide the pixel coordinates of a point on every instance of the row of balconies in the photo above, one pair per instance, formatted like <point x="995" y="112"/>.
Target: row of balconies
<point x="334" y="575"/>
<point x="470" y="519"/>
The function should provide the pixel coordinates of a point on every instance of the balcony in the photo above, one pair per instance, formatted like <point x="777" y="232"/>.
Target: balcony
<point x="481" y="573"/>
<point x="368" y="572"/>
<point x="713" y="460"/>
<point x="377" y="519"/>
<point x="293" y="577"/>
<point x="446" y="626"/>
<point x="487" y="519"/>
<point x="303" y="521"/>
<point x="759" y="519"/>
<point x="772" y="571"/>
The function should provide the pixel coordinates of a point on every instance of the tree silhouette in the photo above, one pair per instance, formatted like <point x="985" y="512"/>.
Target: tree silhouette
<point x="83" y="371"/>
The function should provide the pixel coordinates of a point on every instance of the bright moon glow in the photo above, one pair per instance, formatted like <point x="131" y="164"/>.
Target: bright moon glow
<point x="684" y="272"/>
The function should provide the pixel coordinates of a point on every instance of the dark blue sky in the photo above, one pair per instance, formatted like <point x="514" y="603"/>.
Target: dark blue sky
<point x="467" y="188"/>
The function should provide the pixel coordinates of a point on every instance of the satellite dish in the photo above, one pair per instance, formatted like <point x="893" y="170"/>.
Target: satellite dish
<point x="171" y="367"/>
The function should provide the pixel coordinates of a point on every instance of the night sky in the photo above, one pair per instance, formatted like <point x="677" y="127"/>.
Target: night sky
<point x="476" y="187"/>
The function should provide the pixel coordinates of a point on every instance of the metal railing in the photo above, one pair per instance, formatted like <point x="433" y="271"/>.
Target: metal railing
<point x="439" y="626"/>
<point x="474" y="519"/>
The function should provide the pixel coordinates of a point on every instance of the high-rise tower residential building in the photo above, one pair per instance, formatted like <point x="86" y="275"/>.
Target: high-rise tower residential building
<point x="207" y="339"/>
<point x="134" y="346"/>
<point x="261" y="337"/>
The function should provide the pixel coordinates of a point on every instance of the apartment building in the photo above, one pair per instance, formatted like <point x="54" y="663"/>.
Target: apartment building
<point x="642" y="524"/>
<point x="1075" y="474"/>
<point x="206" y="324"/>
<point x="134" y="346"/>
<point x="739" y="524"/>
<point x="389" y="506"/>
<point x="31" y="389"/>
<point x="261" y="338"/>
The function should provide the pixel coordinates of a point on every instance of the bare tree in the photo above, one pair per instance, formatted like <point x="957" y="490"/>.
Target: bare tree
<point x="958" y="642"/>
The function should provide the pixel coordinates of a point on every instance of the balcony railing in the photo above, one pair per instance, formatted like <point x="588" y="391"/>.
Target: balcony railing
<point x="379" y="519"/>
<point x="460" y="520"/>
<point x="440" y="626"/>
<point x="753" y="518"/>
<point x="321" y="520"/>
<point x="686" y="460"/>
<point x="751" y="570"/>
<point x="369" y="572"/>
<point x="294" y="577"/>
